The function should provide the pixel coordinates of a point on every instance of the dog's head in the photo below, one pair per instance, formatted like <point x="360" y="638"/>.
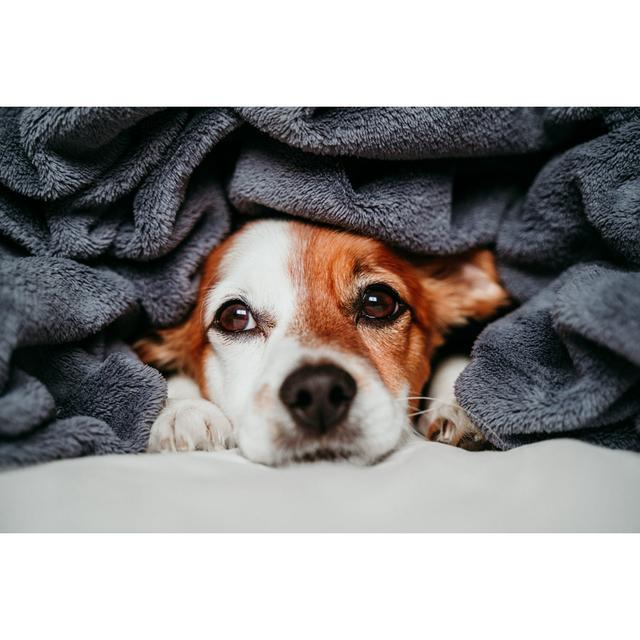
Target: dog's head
<point x="312" y="340"/>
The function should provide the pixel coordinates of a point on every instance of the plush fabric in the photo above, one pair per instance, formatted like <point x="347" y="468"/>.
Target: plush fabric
<point x="106" y="214"/>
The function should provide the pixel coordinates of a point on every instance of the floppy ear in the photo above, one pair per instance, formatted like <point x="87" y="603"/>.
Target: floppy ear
<point x="461" y="288"/>
<point x="170" y="349"/>
<point x="178" y="348"/>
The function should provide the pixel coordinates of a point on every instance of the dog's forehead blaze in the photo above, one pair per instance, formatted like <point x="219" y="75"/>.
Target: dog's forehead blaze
<point x="328" y="268"/>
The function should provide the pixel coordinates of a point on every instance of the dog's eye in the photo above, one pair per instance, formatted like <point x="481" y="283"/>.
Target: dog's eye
<point x="235" y="316"/>
<point x="380" y="303"/>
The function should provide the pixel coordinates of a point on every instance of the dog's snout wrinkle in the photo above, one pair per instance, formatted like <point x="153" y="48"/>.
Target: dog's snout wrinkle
<point x="318" y="397"/>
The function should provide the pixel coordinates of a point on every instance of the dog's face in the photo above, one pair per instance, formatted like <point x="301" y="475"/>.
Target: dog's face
<point x="312" y="340"/>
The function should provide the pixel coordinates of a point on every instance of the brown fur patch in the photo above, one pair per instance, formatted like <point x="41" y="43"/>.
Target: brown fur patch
<point x="330" y="268"/>
<point x="462" y="287"/>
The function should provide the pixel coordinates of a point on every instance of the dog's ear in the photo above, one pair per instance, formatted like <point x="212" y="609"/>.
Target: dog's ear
<point x="169" y="349"/>
<point x="179" y="348"/>
<point x="461" y="288"/>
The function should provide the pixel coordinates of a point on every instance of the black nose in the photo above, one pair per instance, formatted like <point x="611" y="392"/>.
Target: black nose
<point x="318" y="397"/>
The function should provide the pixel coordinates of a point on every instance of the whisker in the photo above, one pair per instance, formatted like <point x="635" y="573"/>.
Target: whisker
<point x="416" y="411"/>
<point x="440" y="400"/>
<point x="420" y="413"/>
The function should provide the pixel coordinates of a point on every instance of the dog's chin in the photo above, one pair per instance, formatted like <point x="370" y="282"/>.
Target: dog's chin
<point x="284" y="457"/>
<point x="359" y="451"/>
<point x="338" y="455"/>
<point x="325" y="454"/>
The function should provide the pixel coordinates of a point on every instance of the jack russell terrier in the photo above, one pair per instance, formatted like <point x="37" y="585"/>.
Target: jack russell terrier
<point x="311" y="343"/>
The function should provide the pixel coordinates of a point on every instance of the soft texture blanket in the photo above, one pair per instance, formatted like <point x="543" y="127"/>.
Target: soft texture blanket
<point x="106" y="214"/>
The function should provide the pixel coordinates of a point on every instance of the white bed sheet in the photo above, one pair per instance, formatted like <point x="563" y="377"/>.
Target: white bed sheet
<point x="560" y="485"/>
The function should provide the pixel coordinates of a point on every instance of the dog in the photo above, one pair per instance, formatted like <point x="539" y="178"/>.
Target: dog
<point x="308" y="342"/>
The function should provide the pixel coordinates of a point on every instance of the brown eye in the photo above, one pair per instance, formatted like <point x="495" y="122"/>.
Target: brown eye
<point x="234" y="317"/>
<point x="380" y="303"/>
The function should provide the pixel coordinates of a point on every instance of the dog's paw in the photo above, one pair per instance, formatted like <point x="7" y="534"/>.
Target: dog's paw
<point x="449" y="424"/>
<point x="190" y="425"/>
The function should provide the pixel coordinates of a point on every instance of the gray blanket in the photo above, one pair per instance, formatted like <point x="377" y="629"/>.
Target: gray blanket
<point x="106" y="214"/>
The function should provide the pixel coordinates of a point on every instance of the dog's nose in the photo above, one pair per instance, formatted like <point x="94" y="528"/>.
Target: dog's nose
<point x="318" y="397"/>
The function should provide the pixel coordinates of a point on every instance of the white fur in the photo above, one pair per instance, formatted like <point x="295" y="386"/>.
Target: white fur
<point x="188" y="421"/>
<point x="257" y="270"/>
<point x="443" y="408"/>
<point x="189" y="424"/>
<point x="182" y="387"/>
<point x="443" y="380"/>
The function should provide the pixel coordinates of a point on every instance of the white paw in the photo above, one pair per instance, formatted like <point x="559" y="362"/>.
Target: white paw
<point x="190" y="425"/>
<point x="448" y="423"/>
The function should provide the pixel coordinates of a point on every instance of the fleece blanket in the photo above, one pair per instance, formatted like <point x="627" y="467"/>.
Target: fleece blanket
<point x="107" y="213"/>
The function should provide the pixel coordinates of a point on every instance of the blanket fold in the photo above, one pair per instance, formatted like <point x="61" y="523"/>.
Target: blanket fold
<point x="107" y="213"/>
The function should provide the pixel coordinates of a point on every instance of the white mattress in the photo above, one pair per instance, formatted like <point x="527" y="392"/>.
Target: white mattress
<point x="560" y="485"/>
